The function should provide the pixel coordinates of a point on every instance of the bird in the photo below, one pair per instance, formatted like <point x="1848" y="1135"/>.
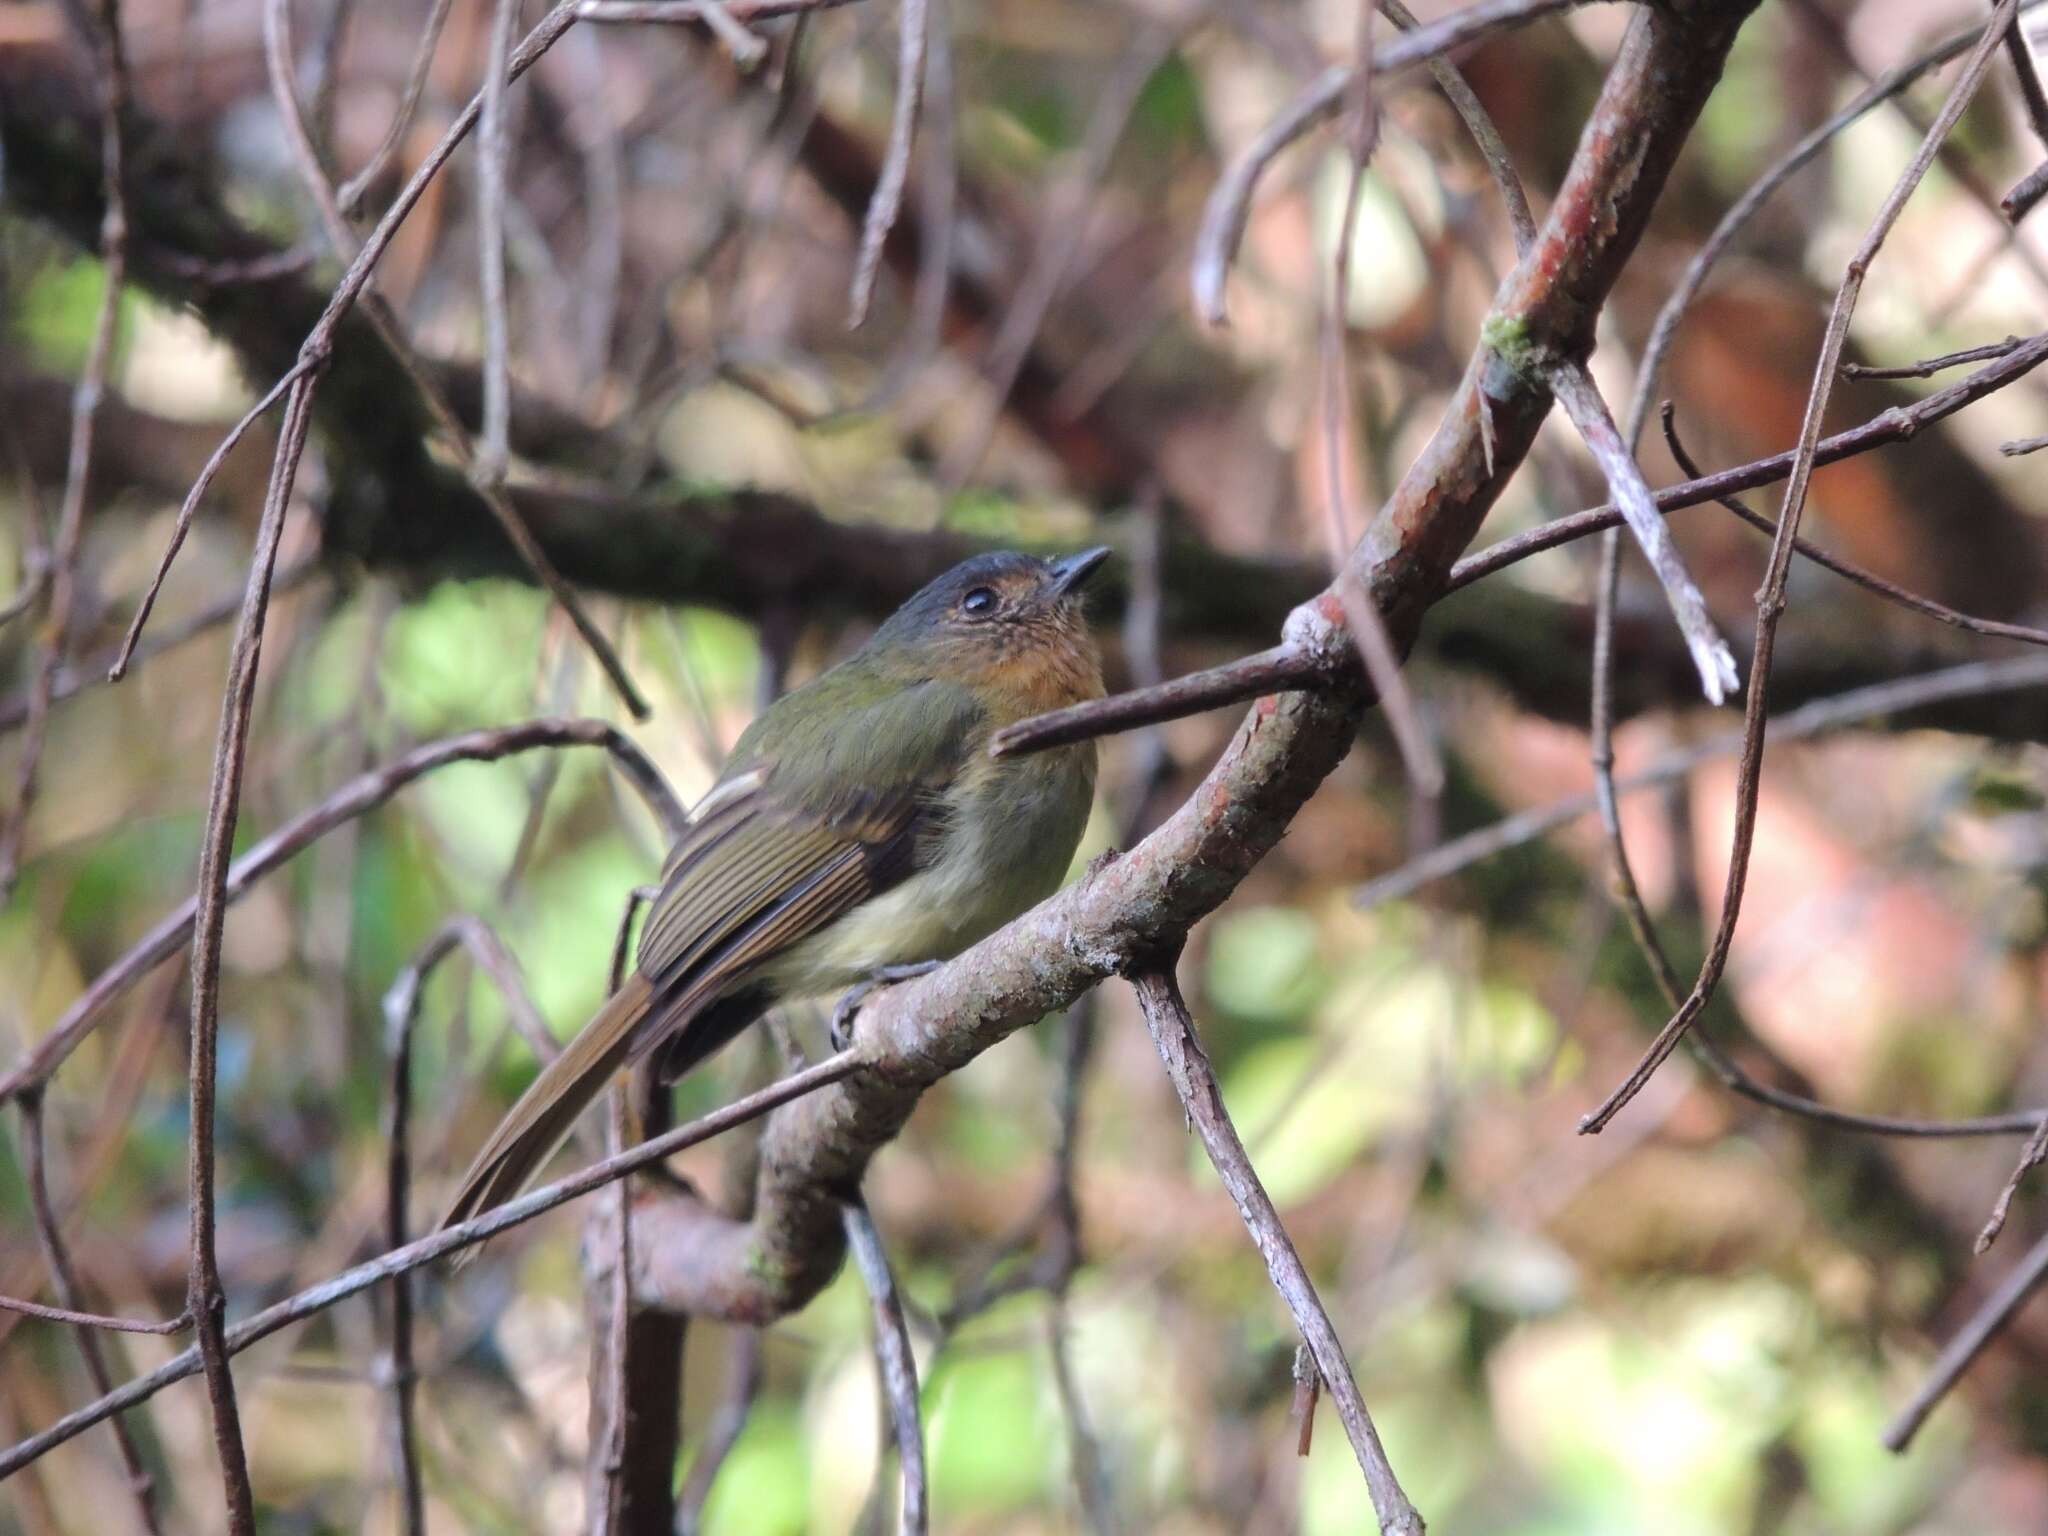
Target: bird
<point x="859" y="830"/>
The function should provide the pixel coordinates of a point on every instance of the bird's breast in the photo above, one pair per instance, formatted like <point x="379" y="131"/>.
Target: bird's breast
<point x="1004" y="838"/>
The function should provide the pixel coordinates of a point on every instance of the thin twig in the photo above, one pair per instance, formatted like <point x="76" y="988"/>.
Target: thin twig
<point x="401" y="1012"/>
<point x="1663" y="331"/>
<point x="636" y="1384"/>
<point x="897" y="1364"/>
<point x="2025" y="196"/>
<point x="2031" y="1157"/>
<point x="351" y="192"/>
<point x="1771" y="596"/>
<point x="1580" y="397"/>
<point x="1420" y="760"/>
<point x="50" y="1235"/>
<point x="493" y="441"/>
<point x="887" y="201"/>
<point x="127" y="1079"/>
<point x="206" y="1296"/>
<point x="355" y="287"/>
<point x="1955" y="1359"/>
<point x="2016" y="204"/>
<point x="1228" y="210"/>
<point x="2023" y="67"/>
<point x="609" y="1394"/>
<point x="1954" y="160"/>
<point x="101" y="1320"/>
<point x="190" y="508"/>
<point x="1890" y="426"/>
<point x="359" y="795"/>
<point x="1855" y="707"/>
<point x="1928" y="367"/>
<point x="2021" y="446"/>
<point x="423" y="1251"/>
<point x="1479" y="123"/>
<point x="62" y="579"/>
<point x="1280" y="668"/>
<point x="76" y="677"/>
<point x="1173" y="1031"/>
<point x="695" y="13"/>
<point x="1870" y="581"/>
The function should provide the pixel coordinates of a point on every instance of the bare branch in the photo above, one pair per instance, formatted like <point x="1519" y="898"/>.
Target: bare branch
<point x="1281" y="668"/>
<point x="1576" y="392"/>
<point x="1870" y="581"/>
<point x="1187" y="1064"/>
<point x="206" y="1296"/>
<point x="898" y="1365"/>
<point x="697" y="13"/>
<point x="1420" y="760"/>
<point x="1229" y="207"/>
<point x="493" y="151"/>
<point x="422" y="1251"/>
<point x="76" y="677"/>
<point x="1997" y="1311"/>
<point x="122" y="657"/>
<point x="50" y="1235"/>
<point x="1746" y="207"/>
<point x="2031" y="1157"/>
<point x="359" y="795"/>
<point x="1927" y="367"/>
<point x="2025" y="196"/>
<point x="636" y="1356"/>
<point x="401" y="1011"/>
<point x="1894" y="425"/>
<point x="1485" y="136"/>
<point x="912" y="25"/>
<point x="484" y="476"/>
<point x="2017" y="203"/>
<point x="1857" y="707"/>
<point x="73" y="1319"/>
<point x="1771" y="597"/>
<point x="62" y="578"/>
<point x="351" y="193"/>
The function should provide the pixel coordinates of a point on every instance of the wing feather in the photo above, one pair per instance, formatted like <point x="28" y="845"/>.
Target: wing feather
<point x="803" y="828"/>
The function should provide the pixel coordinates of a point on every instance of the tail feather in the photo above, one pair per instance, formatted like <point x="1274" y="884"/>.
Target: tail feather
<point x="545" y="1113"/>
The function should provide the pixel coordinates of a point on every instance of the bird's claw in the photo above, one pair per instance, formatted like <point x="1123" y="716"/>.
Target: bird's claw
<point x="857" y="995"/>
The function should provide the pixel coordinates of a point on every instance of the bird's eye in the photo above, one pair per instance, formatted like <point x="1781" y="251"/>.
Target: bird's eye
<point x="979" y="603"/>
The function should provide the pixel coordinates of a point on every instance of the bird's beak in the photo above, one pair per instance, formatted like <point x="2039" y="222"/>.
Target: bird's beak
<point x="1069" y="573"/>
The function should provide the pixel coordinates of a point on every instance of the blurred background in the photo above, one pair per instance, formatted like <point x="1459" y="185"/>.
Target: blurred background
<point x="1696" y="1324"/>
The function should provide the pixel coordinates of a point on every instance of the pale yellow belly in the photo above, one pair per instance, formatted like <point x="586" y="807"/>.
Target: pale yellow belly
<point x="1010" y="841"/>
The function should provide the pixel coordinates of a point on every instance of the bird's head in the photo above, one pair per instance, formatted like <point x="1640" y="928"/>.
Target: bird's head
<point x="1006" y="624"/>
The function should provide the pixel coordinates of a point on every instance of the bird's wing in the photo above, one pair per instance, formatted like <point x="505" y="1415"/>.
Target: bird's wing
<point x="821" y="809"/>
<point x="805" y="826"/>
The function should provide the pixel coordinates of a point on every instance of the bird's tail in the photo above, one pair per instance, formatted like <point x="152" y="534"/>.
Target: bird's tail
<point x="536" y="1125"/>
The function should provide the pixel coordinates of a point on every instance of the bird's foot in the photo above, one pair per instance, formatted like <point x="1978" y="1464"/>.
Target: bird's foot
<point x="881" y="976"/>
